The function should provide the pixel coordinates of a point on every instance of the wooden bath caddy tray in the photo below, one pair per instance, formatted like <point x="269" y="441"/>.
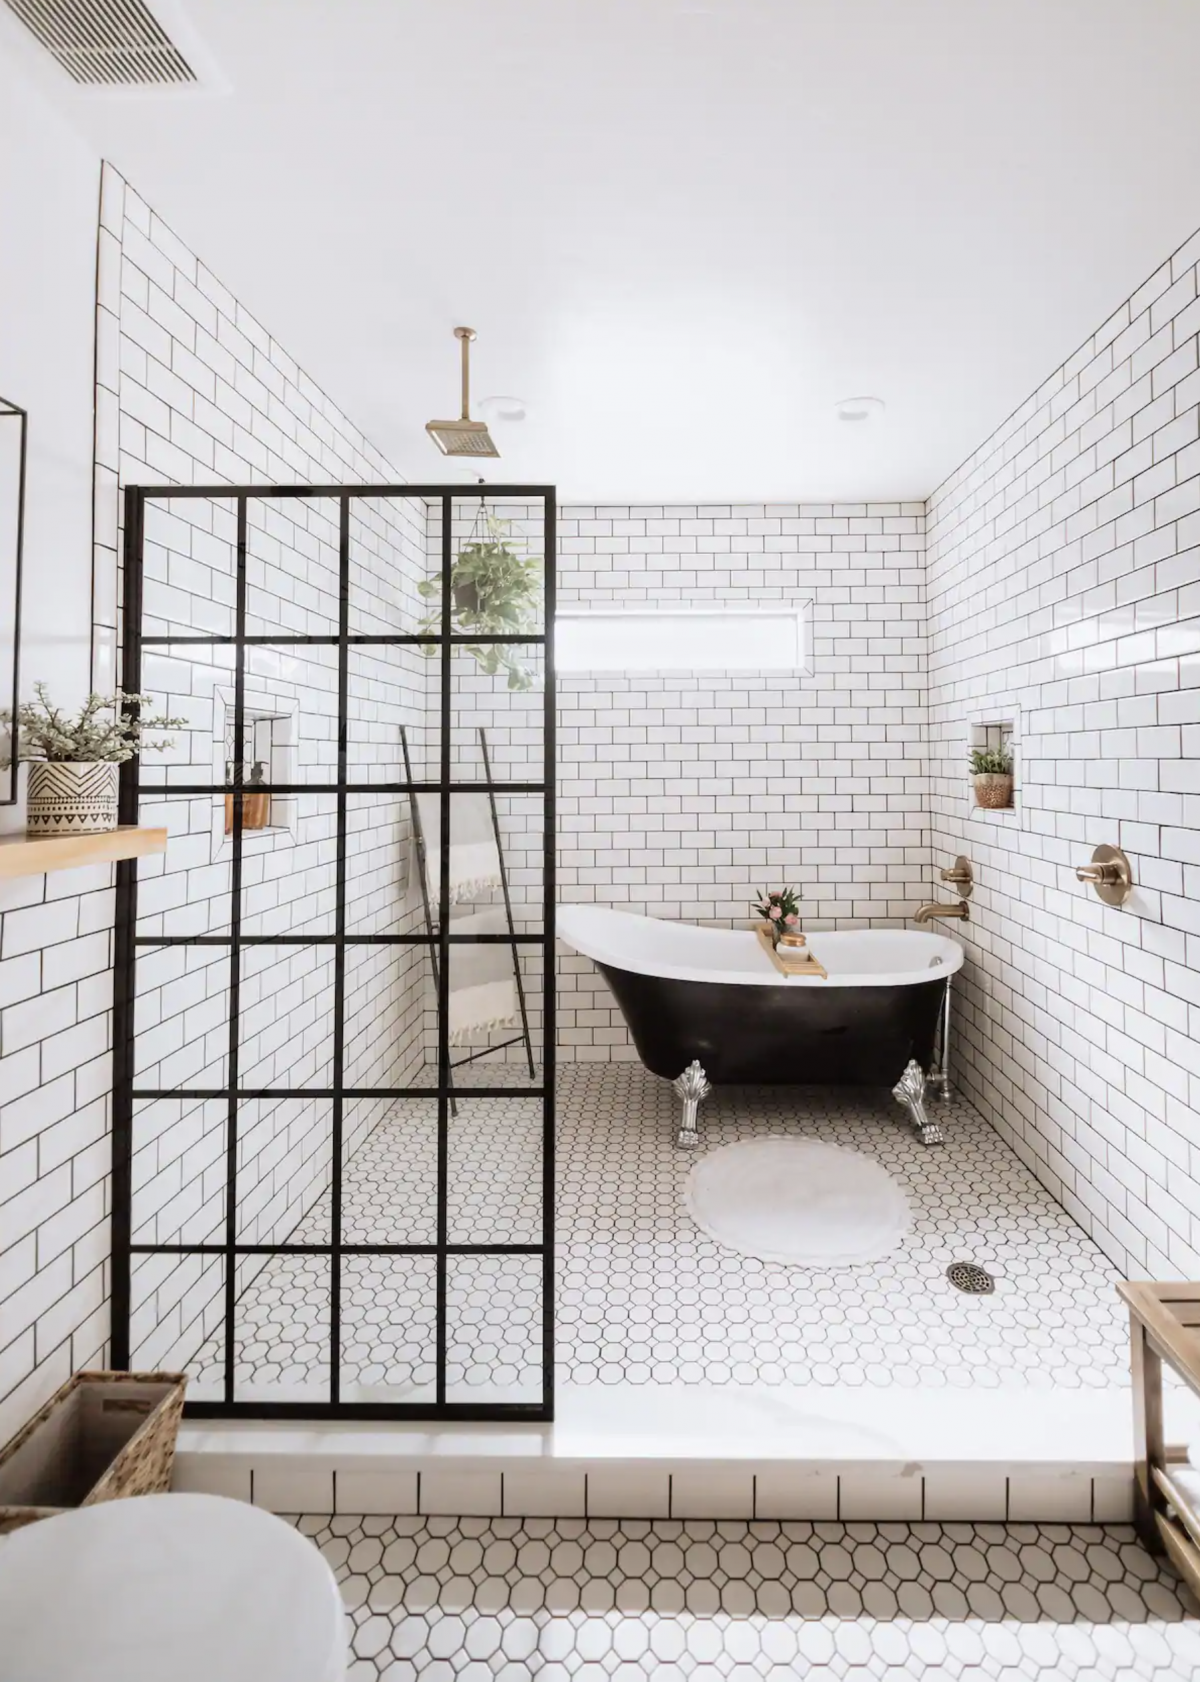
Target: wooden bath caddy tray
<point x="789" y="960"/>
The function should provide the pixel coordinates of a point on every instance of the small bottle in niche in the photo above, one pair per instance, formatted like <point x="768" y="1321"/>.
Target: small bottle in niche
<point x="257" y="805"/>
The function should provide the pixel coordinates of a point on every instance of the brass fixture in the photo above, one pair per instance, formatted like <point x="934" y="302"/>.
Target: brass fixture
<point x="961" y="875"/>
<point x="927" y="913"/>
<point x="1110" y="874"/>
<point x="463" y="437"/>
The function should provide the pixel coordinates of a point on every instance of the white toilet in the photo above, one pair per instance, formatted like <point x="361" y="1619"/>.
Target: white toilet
<point x="182" y="1588"/>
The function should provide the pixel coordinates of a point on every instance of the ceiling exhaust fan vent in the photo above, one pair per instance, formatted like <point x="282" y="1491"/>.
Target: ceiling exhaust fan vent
<point x="105" y="43"/>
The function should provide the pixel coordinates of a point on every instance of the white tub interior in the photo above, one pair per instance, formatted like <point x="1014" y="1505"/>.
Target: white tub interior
<point x="686" y="952"/>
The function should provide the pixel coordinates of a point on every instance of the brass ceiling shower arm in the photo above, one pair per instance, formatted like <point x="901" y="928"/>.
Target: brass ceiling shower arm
<point x="465" y="336"/>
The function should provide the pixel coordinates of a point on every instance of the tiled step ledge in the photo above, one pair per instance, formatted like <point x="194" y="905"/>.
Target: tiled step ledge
<point x="690" y="1452"/>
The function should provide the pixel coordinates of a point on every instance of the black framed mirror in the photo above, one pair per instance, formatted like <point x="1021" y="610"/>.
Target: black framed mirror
<point x="13" y="430"/>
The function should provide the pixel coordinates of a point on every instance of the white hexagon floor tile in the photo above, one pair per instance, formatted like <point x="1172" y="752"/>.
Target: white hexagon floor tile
<point x="480" y="1599"/>
<point x="644" y="1297"/>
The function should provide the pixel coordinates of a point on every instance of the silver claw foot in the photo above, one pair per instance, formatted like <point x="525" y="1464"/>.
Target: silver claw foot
<point x="909" y="1091"/>
<point x="692" y="1085"/>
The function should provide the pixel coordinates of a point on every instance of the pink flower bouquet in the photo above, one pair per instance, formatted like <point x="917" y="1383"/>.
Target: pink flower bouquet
<point x="780" y="911"/>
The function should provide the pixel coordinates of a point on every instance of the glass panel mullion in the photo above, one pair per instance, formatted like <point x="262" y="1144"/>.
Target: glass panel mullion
<point x="235" y="966"/>
<point x="443" y="925"/>
<point x="339" y="957"/>
<point x="549" y="997"/>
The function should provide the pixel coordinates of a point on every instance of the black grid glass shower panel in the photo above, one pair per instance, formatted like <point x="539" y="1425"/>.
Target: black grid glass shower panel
<point x="334" y="1259"/>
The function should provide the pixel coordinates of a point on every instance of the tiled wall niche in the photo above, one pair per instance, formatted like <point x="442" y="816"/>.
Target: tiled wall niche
<point x="1064" y="591"/>
<point x="270" y="739"/>
<point x="992" y="733"/>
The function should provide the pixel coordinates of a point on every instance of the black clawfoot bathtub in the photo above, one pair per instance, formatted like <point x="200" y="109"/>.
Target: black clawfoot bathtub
<point x="712" y="998"/>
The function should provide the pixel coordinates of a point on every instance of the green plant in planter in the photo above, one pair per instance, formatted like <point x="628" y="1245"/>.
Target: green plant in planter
<point x="88" y="738"/>
<point x="991" y="762"/>
<point x="496" y="592"/>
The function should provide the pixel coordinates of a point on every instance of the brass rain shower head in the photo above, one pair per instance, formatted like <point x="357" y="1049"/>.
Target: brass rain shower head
<point x="463" y="437"/>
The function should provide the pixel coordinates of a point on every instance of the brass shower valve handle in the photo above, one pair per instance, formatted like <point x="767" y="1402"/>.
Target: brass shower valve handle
<point x="961" y="875"/>
<point x="1109" y="873"/>
<point x="1099" y="873"/>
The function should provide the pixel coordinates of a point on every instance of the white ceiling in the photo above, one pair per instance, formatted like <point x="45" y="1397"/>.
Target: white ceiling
<point x="683" y="228"/>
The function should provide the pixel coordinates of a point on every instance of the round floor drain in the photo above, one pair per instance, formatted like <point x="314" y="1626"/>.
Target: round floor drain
<point x="966" y="1276"/>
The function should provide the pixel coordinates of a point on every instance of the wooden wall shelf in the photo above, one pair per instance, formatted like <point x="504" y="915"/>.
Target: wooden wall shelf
<point x="30" y="855"/>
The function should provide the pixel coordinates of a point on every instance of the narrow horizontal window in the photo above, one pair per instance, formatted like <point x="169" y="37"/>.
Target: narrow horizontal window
<point x="682" y="640"/>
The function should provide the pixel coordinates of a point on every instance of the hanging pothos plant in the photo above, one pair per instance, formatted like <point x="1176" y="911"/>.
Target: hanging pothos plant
<point x="497" y="592"/>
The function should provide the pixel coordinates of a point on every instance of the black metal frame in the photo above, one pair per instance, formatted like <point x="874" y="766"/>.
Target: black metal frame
<point x="127" y="943"/>
<point x="13" y="411"/>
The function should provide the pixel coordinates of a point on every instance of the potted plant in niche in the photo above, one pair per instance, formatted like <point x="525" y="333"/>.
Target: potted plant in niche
<point x="75" y="761"/>
<point x="497" y="592"/>
<point x="992" y="770"/>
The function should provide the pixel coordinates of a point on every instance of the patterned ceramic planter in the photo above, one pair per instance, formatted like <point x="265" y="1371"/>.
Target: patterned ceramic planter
<point x="993" y="790"/>
<point x="68" y="798"/>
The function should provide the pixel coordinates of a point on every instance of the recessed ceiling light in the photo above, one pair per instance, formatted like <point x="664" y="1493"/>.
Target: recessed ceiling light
<point x="857" y="409"/>
<point x="503" y="408"/>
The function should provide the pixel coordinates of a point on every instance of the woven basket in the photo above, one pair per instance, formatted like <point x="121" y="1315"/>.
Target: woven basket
<point x="102" y="1436"/>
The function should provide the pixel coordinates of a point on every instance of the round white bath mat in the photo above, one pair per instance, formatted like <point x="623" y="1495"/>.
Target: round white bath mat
<point x="797" y="1200"/>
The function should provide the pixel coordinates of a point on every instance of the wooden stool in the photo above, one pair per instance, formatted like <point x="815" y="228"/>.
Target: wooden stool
<point x="1164" y="1324"/>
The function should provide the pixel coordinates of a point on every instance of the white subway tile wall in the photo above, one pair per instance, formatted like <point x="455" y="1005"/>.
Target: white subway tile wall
<point x="1060" y="597"/>
<point x="246" y="414"/>
<point x="191" y="389"/>
<point x="55" y="1074"/>
<point x="682" y="795"/>
<point x="1064" y="595"/>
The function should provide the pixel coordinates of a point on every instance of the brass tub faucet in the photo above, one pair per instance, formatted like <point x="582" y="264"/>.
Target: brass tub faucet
<point x="962" y="876"/>
<point x="927" y="913"/>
